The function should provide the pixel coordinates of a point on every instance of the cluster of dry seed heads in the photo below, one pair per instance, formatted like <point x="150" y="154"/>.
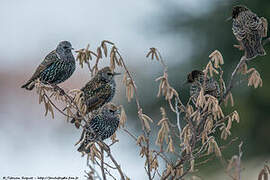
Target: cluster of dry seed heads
<point x="201" y="120"/>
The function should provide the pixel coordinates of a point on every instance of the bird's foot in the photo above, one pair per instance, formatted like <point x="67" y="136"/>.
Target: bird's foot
<point x="239" y="47"/>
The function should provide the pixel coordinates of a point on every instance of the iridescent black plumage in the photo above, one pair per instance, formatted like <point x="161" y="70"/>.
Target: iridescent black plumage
<point x="57" y="66"/>
<point x="100" y="127"/>
<point x="249" y="30"/>
<point x="98" y="91"/>
<point x="197" y="80"/>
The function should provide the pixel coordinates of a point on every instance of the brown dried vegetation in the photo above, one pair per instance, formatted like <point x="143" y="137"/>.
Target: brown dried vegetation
<point x="180" y="149"/>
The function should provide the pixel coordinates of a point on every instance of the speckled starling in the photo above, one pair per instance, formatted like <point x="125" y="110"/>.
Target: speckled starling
<point x="100" y="127"/>
<point x="197" y="80"/>
<point x="249" y="30"/>
<point x="98" y="91"/>
<point x="57" y="66"/>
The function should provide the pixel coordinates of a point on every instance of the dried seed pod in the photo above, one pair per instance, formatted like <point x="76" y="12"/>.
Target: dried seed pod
<point x="217" y="58"/>
<point x="170" y="147"/>
<point x="254" y="78"/>
<point x="123" y="117"/>
<point x="140" y="140"/>
<point x="235" y="117"/>
<point x="104" y="47"/>
<point x="99" y="53"/>
<point x="192" y="163"/>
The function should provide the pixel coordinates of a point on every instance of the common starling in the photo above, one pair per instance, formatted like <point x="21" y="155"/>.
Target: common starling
<point x="249" y="30"/>
<point x="197" y="80"/>
<point x="98" y="91"/>
<point x="100" y="127"/>
<point x="57" y="67"/>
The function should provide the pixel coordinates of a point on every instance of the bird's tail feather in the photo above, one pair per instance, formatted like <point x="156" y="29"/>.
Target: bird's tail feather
<point x="29" y="85"/>
<point x="82" y="148"/>
<point x="253" y="52"/>
<point x="253" y="47"/>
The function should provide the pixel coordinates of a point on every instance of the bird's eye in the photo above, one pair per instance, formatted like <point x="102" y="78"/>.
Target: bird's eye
<point x="111" y="111"/>
<point x="109" y="74"/>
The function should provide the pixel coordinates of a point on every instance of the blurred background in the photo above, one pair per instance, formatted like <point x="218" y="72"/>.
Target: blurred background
<point x="185" y="32"/>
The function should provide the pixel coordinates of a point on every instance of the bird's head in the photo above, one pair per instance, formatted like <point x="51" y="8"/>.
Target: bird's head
<point x="193" y="76"/>
<point x="64" y="47"/>
<point x="238" y="9"/>
<point x="107" y="74"/>
<point x="111" y="109"/>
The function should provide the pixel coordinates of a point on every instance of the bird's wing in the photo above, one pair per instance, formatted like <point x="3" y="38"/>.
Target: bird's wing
<point x="48" y="60"/>
<point x="102" y="127"/>
<point x="97" y="95"/>
<point x="238" y="30"/>
<point x="97" y="126"/>
<point x="246" y="23"/>
<point x="253" y="22"/>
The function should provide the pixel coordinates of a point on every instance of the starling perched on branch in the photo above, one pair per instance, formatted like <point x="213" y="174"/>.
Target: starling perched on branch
<point x="98" y="91"/>
<point x="57" y="67"/>
<point x="249" y="30"/>
<point x="100" y="127"/>
<point x="197" y="79"/>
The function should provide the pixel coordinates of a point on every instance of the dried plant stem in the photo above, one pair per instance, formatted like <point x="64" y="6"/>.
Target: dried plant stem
<point x="114" y="161"/>
<point x="47" y="97"/>
<point x="162" y="61"/>
<point x="241" y="62"/>
<point x="132" y="81"/>
<point x="117" y="166"/>
<point x="178" y="119"/>
<point x="134" y="86"/>
<point x="102" y="164"/>
<point x="239" y="161"/>
<point x="107" y="171"/>
<point x="146" y="133"/>
<point x="163" y="156"/>
<point x="232" y="79"/>
<point x="166" y="175"/>
<point x="147" y="157"/>
<point x="93" y="170"/>
<point x="130" y="134"/>
<point x="213" y="156"/>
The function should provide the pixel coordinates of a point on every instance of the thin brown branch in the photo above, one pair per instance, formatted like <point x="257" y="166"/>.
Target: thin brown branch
<point x="147" y="157"/>
<point x="93" y="171"/>
<point x="102" y="164"/>
<point x="232" y="79"/>
<point x="239" y="161"/>
<point x="213" y="156"/>
<point x="114" y="161"/>
<point x="107" y="171"/>
<point x="45" y="95"/>
<point x="163" y="156"/>
<point x="177" y="164"/>
<point x="178" y="119"/>
<point x="130" y="134"/>
<point x="132" y="81"/>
